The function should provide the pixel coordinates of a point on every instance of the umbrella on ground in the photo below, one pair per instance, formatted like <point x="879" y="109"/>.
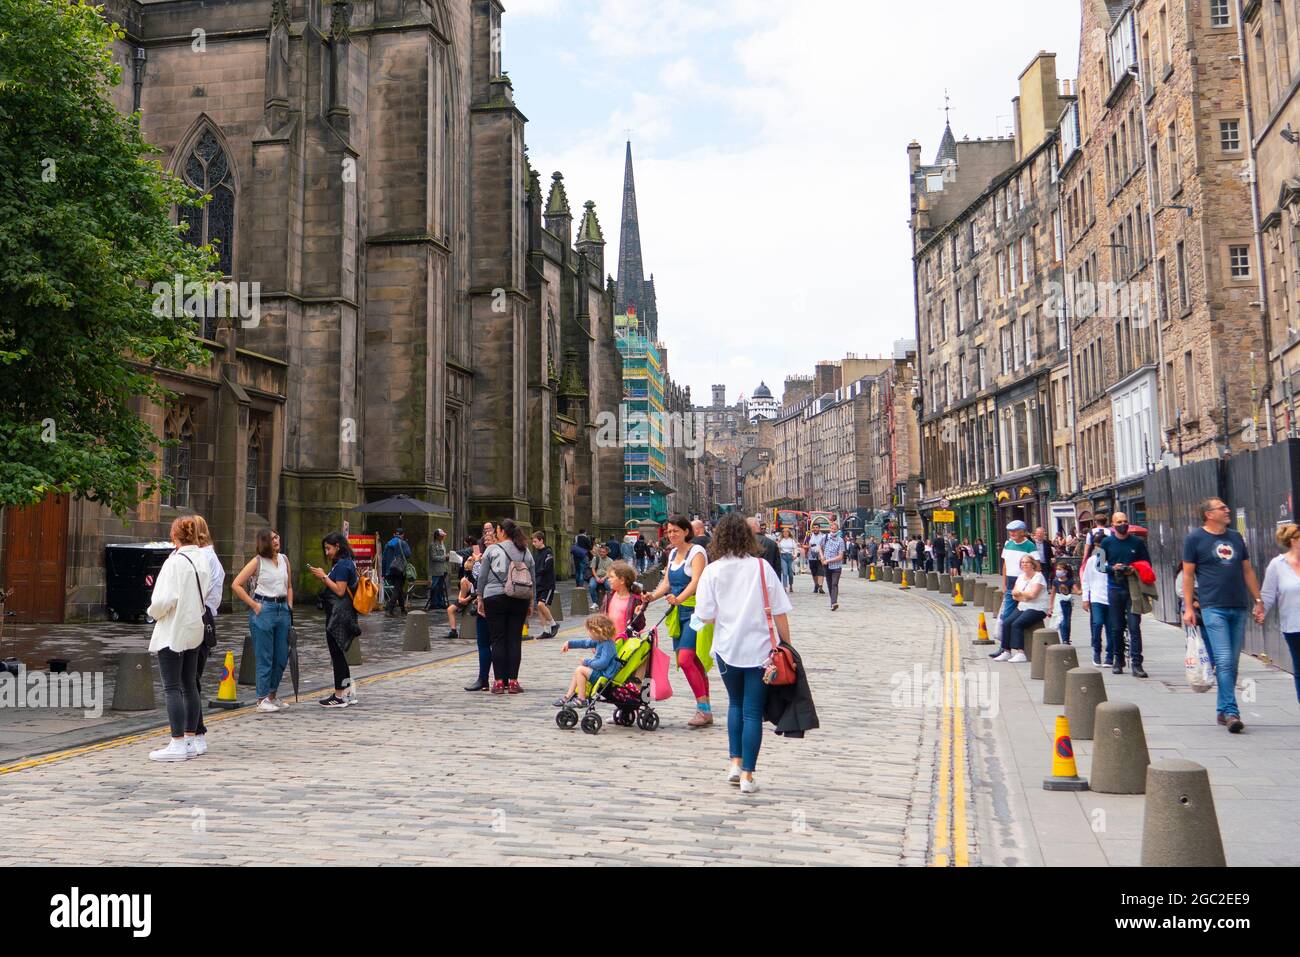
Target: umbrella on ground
<point x="398" y="505"/>
<point x="293" y="656"/>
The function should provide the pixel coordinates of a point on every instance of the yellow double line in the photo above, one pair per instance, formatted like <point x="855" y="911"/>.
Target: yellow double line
<point x="950" y="830"/>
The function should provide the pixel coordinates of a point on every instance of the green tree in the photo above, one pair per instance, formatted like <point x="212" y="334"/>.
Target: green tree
<point x="85" y="231"/>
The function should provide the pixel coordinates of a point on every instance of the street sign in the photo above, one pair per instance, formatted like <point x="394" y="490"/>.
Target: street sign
<point x="864" y="486"/>
<point x="363" y="551"/>
<point x="940" y="515"/>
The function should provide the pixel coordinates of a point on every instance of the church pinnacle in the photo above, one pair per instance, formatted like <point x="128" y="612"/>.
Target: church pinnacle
<point x="633" y="289"/>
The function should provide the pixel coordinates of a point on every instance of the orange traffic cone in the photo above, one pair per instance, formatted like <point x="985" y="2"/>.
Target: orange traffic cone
<point x="227" y="693"/>
<point x="1065" y="776"/>
<point x="956" y="595"/>
<point x="904" y="583"/>
<point x="873" y="573"/>
<point x="983" y="638"/>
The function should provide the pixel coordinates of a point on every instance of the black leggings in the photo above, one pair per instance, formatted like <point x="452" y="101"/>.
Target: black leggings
<point x="339" y="659"/>
<point x="200" y="664"/>
<point x="505" y="621"/>
<point x="181" y="690"/>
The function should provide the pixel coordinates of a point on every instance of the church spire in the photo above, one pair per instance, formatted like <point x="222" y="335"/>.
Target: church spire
<point x="633" y="290"/>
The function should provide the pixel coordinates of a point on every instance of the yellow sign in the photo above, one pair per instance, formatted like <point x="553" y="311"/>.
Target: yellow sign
<point x="939" y="515"/>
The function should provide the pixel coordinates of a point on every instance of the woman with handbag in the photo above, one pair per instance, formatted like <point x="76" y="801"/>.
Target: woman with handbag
<point x="177" y="610"/>
<point x="212" y="602"/>
<point x="685" y="564"/>
<point x="341" y="626"/>
<point x="747" y="607"/>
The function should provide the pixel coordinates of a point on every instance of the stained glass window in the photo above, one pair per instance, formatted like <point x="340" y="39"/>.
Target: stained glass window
<point x="176" y="456"/>
<point x="208" y="170"/>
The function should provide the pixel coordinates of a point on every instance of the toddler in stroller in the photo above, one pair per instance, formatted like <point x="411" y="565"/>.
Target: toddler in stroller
<point x="616" y="674"/>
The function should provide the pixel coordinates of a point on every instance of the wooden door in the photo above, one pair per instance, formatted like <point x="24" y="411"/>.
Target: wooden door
<point x="36" y="548"/>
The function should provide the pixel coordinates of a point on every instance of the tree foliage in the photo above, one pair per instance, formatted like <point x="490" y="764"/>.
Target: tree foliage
<point x="85" y="230"/>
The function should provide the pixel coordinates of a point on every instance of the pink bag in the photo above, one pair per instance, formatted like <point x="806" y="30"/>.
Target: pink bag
<point x="660" y="689"/>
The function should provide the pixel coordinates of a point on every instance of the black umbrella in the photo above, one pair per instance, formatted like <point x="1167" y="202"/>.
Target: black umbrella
<point x="293" y="656"/>
<point x="398" y="505"/>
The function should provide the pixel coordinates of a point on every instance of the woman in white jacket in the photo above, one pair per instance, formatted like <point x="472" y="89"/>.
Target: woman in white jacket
<point x="177" y="608"/>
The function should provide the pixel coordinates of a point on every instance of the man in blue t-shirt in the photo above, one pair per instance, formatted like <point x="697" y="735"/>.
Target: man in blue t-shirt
<point x="1218" y="580"/>
<point x="1119" y="551"/>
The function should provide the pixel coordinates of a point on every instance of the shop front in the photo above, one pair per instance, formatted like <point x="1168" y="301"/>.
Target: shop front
<point x="1026" y="500"/>
<point x="974" y="509"/>
<point x="1132" y="501"/>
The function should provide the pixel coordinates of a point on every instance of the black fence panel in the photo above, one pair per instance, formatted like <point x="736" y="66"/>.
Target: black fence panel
<point x="1261" y="490"/>
<point x="1171" y="514"/>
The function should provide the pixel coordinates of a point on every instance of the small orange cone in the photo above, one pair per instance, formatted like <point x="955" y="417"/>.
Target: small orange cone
<point x="983" y="638"/>
<point x="1065" y="776"/>
<point x="873" y="573"/>
<point x="227" y="693"/>
<point x="956" y="595"/>
<point x="904" y="583"/>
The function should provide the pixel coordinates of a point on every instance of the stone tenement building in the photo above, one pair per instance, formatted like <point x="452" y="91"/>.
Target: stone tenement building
<point x="426" y="327"/>
<point x="1271" y="131"/>
<point x="847" y="449"/>
<point x="986" y="247"/>
<point x="1156" y="203"/>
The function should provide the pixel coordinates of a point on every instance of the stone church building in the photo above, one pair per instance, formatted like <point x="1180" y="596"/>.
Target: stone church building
<point x="429" y="323"/>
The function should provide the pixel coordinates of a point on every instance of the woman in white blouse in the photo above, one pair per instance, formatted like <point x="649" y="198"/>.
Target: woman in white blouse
<point x="1282" y="589"/>
<point x="177" y="610"/>
<point x="1032" y="598"/>
<point x="731" y="597"/>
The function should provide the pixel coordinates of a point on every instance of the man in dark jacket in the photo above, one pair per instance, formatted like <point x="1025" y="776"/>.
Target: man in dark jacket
<point x="544" y="562"/>
<point x="768" y="548"/>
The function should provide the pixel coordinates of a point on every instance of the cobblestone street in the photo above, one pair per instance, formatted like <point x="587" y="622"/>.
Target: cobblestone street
<point x="423" y="772"/>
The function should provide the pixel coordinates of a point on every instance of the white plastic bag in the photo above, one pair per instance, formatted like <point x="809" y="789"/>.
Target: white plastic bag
<point x="995" y="629"/>
<point x="1199" y="665"/>
<point x="1053" y="621"/>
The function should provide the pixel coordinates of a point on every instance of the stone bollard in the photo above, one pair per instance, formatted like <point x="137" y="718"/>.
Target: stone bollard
<point x="557" y="608"/>
<point x="247" y="664"/>
<point x="1119" y="751"/>
<point x="862" y="569"/>
<point x="932" y="581"/>
<point x="134" y="688"/>
<point x="978" y="593"/>
<point x="1029" y="642"/>
<point x="896" y="575"/>
<point x="945" y="584"/>
<point x="1040" y="640"/>
<point x="579" y="602"/>
<point x="1179" y="826"/>
<point x="1084" y="690"/>
<point x="1057" y="660"/>
<point x="354" y="651"/>
<point x="415" y="636"/>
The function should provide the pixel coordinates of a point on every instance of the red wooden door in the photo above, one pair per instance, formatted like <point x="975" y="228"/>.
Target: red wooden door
<point x="36" y="548"/>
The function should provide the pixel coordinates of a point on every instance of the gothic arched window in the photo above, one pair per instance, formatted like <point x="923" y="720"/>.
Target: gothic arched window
<point x="178" y="430"/>
<point x="207" y="169"/>
<point x="253" y="472"/>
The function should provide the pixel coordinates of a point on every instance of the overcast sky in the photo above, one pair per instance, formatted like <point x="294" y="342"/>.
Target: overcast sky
<point x="770" y="148"/>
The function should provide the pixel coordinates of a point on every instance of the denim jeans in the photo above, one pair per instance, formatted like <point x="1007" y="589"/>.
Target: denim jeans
<point x="483" y="639"/>
<point x="1293" y="642"/>
<point x="1225" y="633"/>
<point x="1099" y="622"/>
<point x="595" y="589"/>
<point x="787" y="570"/>
<point x="1118" y="618"/>
<point x="746" y="696"/>
<point x="833" y="583"/>
<point x="1007" y="610"/>
<point x="181" y="689"/>
<point x="1013" y="629"/>
<point x="270" y="631"/>
<point x="437" y="594"/>
<point x="1066" y="605"/>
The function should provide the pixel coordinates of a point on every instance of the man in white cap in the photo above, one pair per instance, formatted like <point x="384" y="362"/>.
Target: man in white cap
<point x="1017" y="546"/>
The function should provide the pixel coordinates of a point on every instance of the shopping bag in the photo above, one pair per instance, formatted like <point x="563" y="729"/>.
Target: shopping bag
<point x="1197" y="662"/>
<point x="660" y="689"/>
<point x="995" y="630"/>
<point x="1053" y="621"/>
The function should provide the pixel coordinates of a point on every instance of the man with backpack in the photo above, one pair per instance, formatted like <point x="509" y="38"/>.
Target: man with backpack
<point x="397" y="553"/>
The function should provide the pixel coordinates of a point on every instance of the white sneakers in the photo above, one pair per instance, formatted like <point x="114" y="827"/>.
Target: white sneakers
<point x="281" y="704"/>
<point x="1017" y="657"/>
<point x="748" y="785"/>
<point x="733" y="774"/>
<point x="200" y="744"/>
<point x="176" y="750"/>
<point x="267" y="706"/>
<point x="1005" y="656"/>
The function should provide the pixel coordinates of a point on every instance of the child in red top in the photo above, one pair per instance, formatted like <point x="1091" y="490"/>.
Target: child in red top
<point x="622" y="604"/>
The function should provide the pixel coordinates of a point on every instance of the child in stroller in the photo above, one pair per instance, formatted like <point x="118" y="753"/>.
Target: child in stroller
<point x="621" y="681"/>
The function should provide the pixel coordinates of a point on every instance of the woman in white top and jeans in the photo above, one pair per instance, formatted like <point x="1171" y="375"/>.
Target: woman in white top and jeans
<point x="270" y="612"/>
<point x="1030" y="592"/>
<point x="1282" y="589"/>
<point x="177" y="610"/>
<point x="730" y="596"/>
